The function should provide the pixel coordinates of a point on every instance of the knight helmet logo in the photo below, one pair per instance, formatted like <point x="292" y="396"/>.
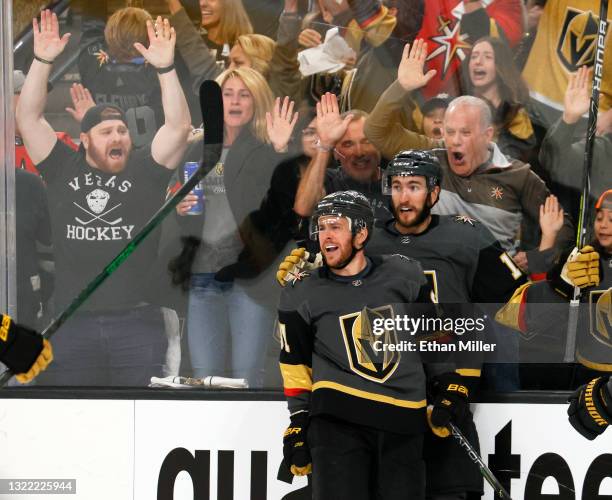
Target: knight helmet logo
<point x="578" y="38"/>
<point x="365" y="349"/>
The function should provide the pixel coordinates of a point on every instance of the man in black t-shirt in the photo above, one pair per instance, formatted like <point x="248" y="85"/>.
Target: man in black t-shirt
<point x="100" y="197"/>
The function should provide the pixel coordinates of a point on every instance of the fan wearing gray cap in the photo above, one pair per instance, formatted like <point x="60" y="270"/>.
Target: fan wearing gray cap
<point x="100" y="197"/>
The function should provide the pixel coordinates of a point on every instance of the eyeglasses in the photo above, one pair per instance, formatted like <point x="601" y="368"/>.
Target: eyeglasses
<point x="309" y="132"/>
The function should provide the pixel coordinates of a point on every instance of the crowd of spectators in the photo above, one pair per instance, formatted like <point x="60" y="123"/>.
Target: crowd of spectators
<point x="494" y="87"/>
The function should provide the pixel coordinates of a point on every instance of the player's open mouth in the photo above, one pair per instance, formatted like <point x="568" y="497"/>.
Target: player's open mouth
<point x="330" y="248"/>
<point x="406" y="209"/>
<point x="116" y="153"/>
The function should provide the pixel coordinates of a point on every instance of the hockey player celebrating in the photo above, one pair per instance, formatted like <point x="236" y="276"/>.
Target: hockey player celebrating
<point x="357" y="412"/>
<point x="457" y="253"/>
<point x="22" y="350"/>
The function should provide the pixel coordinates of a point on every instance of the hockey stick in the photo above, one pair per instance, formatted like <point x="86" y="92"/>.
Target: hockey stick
<point x="211" y="104"/>
<point x="498" y="489"/>
<point x="572" y="322"/>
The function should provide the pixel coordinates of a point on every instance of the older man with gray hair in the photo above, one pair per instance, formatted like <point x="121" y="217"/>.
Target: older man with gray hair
<point x="479" y="181"/>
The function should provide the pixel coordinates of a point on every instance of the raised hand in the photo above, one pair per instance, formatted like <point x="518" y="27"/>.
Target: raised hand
<point x="551" y="216"/>
<point x="330" y="126"/>
<point x="81" y="100"/>
<point x="47" y="41"/>
<point x="162" y="39"/>
<point x="577" y="95"/>
<point x="280" y="124"/>
<point x="410" y="73"/>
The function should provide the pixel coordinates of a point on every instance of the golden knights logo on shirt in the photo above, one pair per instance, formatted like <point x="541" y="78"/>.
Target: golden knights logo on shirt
<point x="364" y="345"/>
<point x="600" y="315"/>
<point x="577" y="39"/>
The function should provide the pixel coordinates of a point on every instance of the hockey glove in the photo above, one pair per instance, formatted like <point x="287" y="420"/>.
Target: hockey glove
<point x="451" y="402"/>
<point x="22" y="350"/>
<point x="582" y="268"/>
<point x="297" y="266"/>
<point x="295" y="447"/>
<point x="590" y="409"/>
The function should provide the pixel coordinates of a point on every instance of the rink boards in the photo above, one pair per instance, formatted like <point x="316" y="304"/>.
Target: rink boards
<point x="133" y="449"/>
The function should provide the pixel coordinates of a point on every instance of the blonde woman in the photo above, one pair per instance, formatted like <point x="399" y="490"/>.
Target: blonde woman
<point x="276" y="61"/>
<point x="231" y="301"/>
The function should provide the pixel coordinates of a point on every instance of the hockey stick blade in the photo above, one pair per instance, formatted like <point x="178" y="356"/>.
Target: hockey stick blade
<point x="498" y="490"/>
<point x="211" y="104"/>
<point x="598" y="60"/>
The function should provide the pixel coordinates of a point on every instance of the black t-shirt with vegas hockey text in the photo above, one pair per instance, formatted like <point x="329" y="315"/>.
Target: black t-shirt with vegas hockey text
<point x="94" y="215"/>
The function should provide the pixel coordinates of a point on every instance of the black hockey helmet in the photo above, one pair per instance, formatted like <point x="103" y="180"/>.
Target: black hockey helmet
<point x="413" y="162"/>
<point x="350" y="204"/>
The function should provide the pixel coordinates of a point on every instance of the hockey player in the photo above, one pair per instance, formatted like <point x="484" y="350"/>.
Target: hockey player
<point x="464" y="263"/>
<point x="359" y="412"/>
<point x="22" y="350"/>
<point x="457" y="254"/>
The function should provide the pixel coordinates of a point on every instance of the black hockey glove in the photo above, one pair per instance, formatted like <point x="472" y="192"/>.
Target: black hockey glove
<point x="451" y="400"/>
<point x="295" y="448"/>
<point x="590" y="409"/>
<point x="180" y="266"/>
<point x="21" y="347"/>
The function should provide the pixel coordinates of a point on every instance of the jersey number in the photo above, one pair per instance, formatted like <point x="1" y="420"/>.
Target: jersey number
<point x="509" y="263"/>
<point x="282" y="333"/>
<point x="432" y="279"/>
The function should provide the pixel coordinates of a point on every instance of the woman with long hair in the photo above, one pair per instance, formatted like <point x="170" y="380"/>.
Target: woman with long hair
<point x="231" y="306"/>
<point x="275" y="60"/>
<point x="491" y="74"/>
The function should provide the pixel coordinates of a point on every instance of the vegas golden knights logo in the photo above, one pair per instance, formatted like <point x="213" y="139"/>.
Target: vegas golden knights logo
<point x="600" y="312"/>
<point x="578" y="38"/>
<point x="364" y="346"/>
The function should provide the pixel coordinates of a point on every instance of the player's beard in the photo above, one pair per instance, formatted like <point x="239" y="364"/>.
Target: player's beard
<point x="420" y="218"/>
<point x="345" y="261"/>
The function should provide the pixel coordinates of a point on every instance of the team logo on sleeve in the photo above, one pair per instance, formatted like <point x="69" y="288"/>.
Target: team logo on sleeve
<point x="600" y="312"/>
<point x="365" y="343"/>
<point x="577" y="40"/>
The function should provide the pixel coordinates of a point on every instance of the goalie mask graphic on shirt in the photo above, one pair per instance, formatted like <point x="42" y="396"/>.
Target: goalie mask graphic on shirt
<point x="97" y="200"/>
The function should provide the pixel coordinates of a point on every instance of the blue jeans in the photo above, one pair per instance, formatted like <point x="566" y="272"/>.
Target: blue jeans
<point x="227" y="331"/>
<point x="118" y="348"/>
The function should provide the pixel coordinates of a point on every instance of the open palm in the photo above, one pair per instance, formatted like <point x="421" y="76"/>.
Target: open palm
<point x="162" y="39"/>
<point x="577" y="95"/>
<point x="280" y="123"/>
<point x="47" y="41"/>
<point x="330" y="126"/>
<point x="410" y="73"/>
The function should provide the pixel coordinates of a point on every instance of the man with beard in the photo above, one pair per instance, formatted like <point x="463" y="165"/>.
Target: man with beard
<point x="463" y="263"/>
<point x="343" y="135"/>
<point x="99" y="198"/>
<point x="362" y="407"/>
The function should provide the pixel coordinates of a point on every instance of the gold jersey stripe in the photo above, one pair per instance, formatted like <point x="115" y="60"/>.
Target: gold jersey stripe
<point x="602" y="367"/>
<point x="468" y="372"/>
<point x="369" y="395"/>
<point x="296" y="376"/>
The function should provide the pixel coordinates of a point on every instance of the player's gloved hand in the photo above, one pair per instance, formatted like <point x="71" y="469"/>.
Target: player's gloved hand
<point x="590" y="409"/>
<point x="20" y="348"/>
<point x="295" y="448"/>
<point x="297" y="263"/>
<point x="582" y="268"/>
<point x="451" y="402"/>
<point x="42" y="361"/>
